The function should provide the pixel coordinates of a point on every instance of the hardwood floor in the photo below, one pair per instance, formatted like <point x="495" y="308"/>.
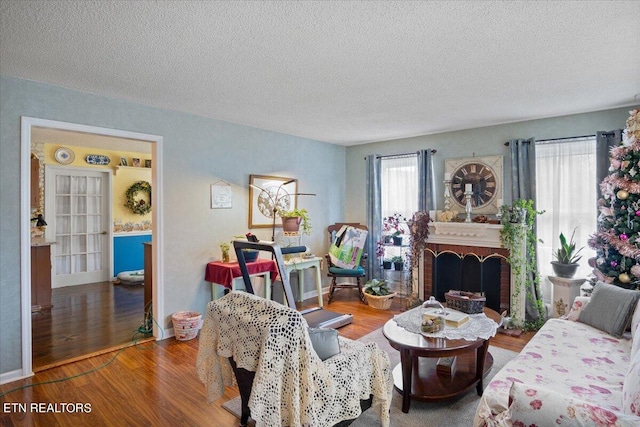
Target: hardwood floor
<point x="86" y="320"/>
<point x="154" y="383"/>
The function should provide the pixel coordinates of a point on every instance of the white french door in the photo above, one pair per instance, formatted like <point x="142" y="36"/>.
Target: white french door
<point x="77" y="212"/>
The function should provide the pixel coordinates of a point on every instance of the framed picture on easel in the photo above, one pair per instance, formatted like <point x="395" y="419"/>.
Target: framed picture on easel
<point x="267" y="195"/>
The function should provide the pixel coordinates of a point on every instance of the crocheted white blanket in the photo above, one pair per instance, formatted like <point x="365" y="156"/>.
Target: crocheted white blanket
<point x="292" y="386"/>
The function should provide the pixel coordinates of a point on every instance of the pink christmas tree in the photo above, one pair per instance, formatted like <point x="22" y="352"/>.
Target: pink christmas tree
<point x="617" y="241"/>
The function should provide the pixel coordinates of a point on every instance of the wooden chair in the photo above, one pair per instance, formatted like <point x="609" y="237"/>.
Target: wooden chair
<point x="337" y="273"/>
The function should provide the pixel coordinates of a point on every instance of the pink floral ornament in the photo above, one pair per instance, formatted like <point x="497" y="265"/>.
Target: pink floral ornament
<point x="624" y="237"/>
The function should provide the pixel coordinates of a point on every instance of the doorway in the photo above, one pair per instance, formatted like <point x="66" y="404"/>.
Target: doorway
<point x="89" y="252"/>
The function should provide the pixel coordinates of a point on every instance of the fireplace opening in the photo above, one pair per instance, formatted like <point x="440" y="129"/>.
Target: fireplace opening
<point x="450" y="272"/>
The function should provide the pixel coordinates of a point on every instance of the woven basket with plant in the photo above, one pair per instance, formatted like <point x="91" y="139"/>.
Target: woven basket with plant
<point x="378" y="294"/>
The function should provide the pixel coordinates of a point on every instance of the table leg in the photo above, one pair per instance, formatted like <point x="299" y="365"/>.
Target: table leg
<point x="481" y="355"/>
<point x="267" y="285"/>
<point x="300" y="285"/>
<point x="319" y="283"/>
<point x="407" y="371"/>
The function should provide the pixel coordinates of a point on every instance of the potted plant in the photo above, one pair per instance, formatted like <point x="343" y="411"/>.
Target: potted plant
<point x="386" y="263"/>
<point x="567" y="258"/>
<point x="378" y="294"/>
<point x="398" y="263"/>
<point x="293" y="219"/>
<point x="394" y="225"/>
<point x="224" y="247"/>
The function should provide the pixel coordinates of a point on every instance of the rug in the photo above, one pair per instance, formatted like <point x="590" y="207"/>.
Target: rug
<point x="456" y="412"/>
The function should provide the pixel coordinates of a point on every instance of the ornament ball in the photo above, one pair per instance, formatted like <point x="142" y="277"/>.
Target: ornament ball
<point x="624" y="278"/>
<point x="622" y="194"/>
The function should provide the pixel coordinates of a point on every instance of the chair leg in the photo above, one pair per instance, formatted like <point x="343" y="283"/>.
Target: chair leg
<point x="360" y="291"/>
<point x="332" y="288"/>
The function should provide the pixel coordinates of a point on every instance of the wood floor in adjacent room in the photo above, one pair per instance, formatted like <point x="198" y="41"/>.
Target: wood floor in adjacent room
<point x="86" y="320"/>
<point x="155" y="384"/>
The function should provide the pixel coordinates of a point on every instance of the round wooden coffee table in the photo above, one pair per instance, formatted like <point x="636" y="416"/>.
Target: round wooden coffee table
<point x="417" y="376"/>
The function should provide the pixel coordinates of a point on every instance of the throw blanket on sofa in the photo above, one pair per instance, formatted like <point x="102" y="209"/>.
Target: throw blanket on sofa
<point x="292" y="386"/>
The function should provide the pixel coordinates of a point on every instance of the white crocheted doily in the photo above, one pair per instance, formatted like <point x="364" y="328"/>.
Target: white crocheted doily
<point x="479" y="326"/>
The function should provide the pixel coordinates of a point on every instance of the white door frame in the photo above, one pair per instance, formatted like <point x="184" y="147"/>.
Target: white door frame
<point x="25" y="224"/>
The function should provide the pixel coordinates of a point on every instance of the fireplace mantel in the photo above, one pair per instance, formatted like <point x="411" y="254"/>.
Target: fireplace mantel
<point x="465" y="234"/>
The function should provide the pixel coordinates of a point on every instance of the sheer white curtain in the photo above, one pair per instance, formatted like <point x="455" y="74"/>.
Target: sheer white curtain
<point x="566" y="191"/>
<point x="399" y="185"/>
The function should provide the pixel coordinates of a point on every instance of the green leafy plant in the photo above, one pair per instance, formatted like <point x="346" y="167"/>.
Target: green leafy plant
<point x="397" y="258"/>
<point x="566" y="253"/>
<point x="376" y="287"/>
<point x="523" y="264"/>
<point x="298" y="213"/>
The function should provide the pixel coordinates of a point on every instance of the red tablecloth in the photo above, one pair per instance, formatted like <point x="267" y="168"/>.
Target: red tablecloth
<point x="224" y="272"/>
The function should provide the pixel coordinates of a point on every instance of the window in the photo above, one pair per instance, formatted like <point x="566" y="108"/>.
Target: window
<point x="399" y="185"/>
<point x="567" y="192"/>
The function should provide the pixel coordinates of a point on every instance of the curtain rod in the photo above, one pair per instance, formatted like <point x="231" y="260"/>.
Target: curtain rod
<point x="565" y="138"/>
<point x="433" y="151"/>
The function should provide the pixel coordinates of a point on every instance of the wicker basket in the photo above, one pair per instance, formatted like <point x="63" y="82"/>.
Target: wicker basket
<point x="466" y="302"/>
<point x="380" y="302"/>
<point x="186" y="325"/>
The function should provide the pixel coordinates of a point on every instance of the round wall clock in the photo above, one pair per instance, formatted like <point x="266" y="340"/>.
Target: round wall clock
<point x="484" y="174"/>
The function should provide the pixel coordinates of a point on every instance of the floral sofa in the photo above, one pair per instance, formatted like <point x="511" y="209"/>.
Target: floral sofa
<point x="570" y="373"/>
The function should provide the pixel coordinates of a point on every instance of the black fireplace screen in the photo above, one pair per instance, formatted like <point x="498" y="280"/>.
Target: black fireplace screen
<point x="450" y="272"/>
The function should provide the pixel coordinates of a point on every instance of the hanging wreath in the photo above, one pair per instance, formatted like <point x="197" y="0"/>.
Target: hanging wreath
<point x="140" y="207"/>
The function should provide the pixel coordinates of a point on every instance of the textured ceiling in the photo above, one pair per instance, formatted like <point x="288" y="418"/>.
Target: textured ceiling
<point x="343" y="72"/>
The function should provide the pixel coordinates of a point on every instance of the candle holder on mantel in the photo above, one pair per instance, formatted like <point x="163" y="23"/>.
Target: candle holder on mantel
<point x="447" y="194"/>
<point x="468" y="208"/>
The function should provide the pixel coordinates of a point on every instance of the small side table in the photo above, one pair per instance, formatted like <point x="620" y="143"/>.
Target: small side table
<point x="299" y="264"/>
<point x="564" y="292"/>
<point x="229" y="276"/>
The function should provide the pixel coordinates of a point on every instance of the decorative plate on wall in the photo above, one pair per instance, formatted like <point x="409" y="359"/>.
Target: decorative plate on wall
<point x="64" y="155"/>
<point x="97" y="159"/>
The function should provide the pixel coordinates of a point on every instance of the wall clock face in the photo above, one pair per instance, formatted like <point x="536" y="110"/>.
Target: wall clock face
<point x="484" y="174"/>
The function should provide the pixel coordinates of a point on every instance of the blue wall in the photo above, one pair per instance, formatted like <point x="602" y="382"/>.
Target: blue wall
<point x="128" y="253"/>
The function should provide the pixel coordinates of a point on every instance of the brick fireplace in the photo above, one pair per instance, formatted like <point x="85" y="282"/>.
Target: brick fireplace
<point x="469" y="257"/>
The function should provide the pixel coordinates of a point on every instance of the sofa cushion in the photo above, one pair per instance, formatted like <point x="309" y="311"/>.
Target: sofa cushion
<point x="579" y="303"/>
<point x="532" y="405"/>
<point x="325" y="342"/>
<point x="610" y="308"/>
<point x="631" y="388"/>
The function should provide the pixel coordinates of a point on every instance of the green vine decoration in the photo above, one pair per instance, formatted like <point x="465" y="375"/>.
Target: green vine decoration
<point x="516" y="229"/>
<point x="140" y="207"/>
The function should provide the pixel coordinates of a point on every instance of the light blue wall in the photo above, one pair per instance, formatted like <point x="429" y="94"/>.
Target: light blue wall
<point x="197" y="152"/>
<point x="128" y="253"/>
<point x="484" y="141"/>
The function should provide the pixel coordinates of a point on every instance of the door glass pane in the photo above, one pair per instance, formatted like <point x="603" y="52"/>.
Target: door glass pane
<point x="63" y="265"/>
<point x="62" y="246"/>
<point x="79" y="185"/>
<point x="93" y="224"/>
<point x="79" y="244"/>
<point x="79" y="224"/>
<point x="79" y="204"/>
<point x="62" y="225"/>
<point x="79" y="263"/>
<point x="94" y="204"/>
<point x="63" y="184"/>
<point x="62" y="204"/>
<point x="94" y="185"/>
<point x="93" y="243"/>
<point x="93" y="262"/>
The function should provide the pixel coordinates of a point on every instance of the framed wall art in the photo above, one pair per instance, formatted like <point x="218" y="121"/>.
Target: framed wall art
<point x="483" y="175"/>
<point x="221" y="195"/>
<point x="269" y="193"/>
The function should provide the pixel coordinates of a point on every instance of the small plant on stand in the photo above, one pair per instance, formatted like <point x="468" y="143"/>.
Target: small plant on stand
<point x="395" y="226"/>
<point x="398" y="263"/>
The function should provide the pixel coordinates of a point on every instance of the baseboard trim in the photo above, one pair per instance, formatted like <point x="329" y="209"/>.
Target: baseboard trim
<point x="11" y="376"/>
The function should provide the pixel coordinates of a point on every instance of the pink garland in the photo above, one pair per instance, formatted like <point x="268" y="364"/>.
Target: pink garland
<point x="623" y="246"/>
